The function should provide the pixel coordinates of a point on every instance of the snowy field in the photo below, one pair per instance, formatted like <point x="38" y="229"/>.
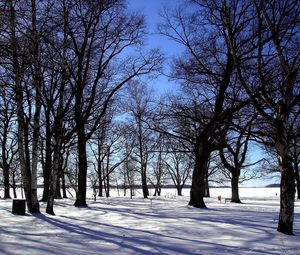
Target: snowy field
<point x="163" y="225"/>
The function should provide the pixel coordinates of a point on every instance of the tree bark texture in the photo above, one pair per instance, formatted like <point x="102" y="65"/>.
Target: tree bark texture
<point x="48" y="159"/>
<point x="235" y="198"/>
<point x="6" y="181"/>
<point x="287" y="196"/>
<point x="82" y="166"/>
<point x="197" y="192"/>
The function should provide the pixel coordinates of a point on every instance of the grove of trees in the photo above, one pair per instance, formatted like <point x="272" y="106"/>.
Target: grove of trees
<point x="77" y="112"/>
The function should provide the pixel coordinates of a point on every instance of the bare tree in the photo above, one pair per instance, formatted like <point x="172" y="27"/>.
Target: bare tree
<point x="24" y="58"/>
<point x="179" y="167"/>
<point x="8" y="148"/>
<point x="158" y="165"/>
<point x="139" y="106"/>
<point x="211" y="91"/>
<point x="272" y="82"/>
<point x="234" y="153"/>
<point x="99" y="33"/>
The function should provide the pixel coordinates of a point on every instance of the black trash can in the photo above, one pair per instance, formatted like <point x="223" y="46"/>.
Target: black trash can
<point x="19" y="206"/>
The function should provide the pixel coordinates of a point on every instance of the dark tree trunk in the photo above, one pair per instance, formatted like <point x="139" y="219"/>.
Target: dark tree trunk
<point x="57" y="189"/>
<point x="198" y="181"/>
<point x="207" y="194"/>
<point x="100" y="189"/>
<point x="107" y="190"/>
<point x="82" y="166"/>
<point x="157" y="190"/>
<point x="23" y="150"/>
<point x="131" y="191"/>
<point x="30" y="191"/>
<point x="48" y="162"/>
<point x="14" y="186"/>
<point x="6" y="181"/>
<point x="297" y="177"/>
<point x="179" y="190"/>
<point x="142" y="160"/>
<point x="63" y="185"/>
<point x="100" y="177"/>
<point x="5" y="164"/>
<point x="144" y="183"/>
<point x="287" y="196"/>
<point x="235" y="189"/>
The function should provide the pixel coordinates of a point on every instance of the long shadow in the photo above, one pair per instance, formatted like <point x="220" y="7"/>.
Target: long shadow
<point x="145" y="239"/>
<point x="160" y="243"/>
<point x="117" y="239"/>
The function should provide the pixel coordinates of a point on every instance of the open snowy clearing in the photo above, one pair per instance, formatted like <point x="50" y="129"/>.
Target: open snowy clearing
<point x="150" y="226"/>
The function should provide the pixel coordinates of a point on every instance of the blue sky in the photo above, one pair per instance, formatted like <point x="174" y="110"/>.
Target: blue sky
<point x="151" y="10"/>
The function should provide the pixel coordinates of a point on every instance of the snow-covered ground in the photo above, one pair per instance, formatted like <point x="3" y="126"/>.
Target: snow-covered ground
<point x="163" y="225"/>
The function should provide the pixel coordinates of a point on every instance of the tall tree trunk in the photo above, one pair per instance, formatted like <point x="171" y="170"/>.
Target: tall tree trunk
<point x="23" y="150"/>
<point x="57" y="160"/>
<point x="107" y="190"/>
<point x="287" y="195"/>
<point x="63" y="185"/>
<point x="5" y="164"/>
<point x="99" y="166"/>
<point x="6" y="179"/>
<point x="82" y="166"/>
<point x="142" y="160"/>
<point x="287" y="183"/>
<point x="53" y="181"/>
<point x="124" y="178"/>
<point x="37" y="76"/>
<point x="296" y="168"/>
<point x="207" y="194"/>
<point x="14" y="186"/>
<point x="48" y="160"/>
<point x="297" y="179"/>
<point x="197" y="192"/>
<point x="144" y="182"/>
<point x="235" y="188"/>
